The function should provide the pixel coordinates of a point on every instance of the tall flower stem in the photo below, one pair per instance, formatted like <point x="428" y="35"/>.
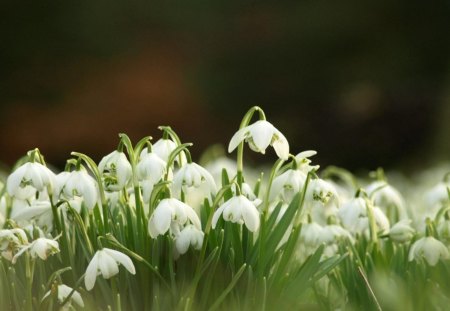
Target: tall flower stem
<point x="240" y="152"/>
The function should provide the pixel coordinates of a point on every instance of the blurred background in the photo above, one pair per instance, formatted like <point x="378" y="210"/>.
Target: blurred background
<point x="366" y="84"/>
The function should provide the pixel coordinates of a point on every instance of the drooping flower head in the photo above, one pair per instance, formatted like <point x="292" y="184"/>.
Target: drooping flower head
<point x="106" y="262"/>
<point x="259" y="136"/>
<point x="40" y="247"/>
<point x="116" y="170"/>
<point x="77" y="184"/>
<point x="239" y="209"/>
<point x="430" y="249"/>
<point x="28" y="179"/>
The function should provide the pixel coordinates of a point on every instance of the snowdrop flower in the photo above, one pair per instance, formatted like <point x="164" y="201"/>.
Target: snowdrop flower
<point x="63" y="291"/>
<point x="353" y="215"/>
<point x="171" y="214"/>
<point x="287" y="185"/>
<point x="429" y="249"/>
<point x="190" y="235"/>
<point x="106" y="262"/>
<point x="385" y="196"/>
<point x="239" y="210"/>
<point x="322" y="200"/>
<point x="193" y="176"/>
<point x="402" y="231"/>
<point x="151" y="167"/>
<point x="28" y="179"/>
<point x="116" y="170"/>
<point x="39" y="212"/>
<point x="10" y="241"/>
<point x="259" y="136"/>
<point x="163" y="148"/>
<point x="303" y="161"/>
<point x="40" y="247"/>
<point x="78" y="184"/>
<point x="438" y="195"/>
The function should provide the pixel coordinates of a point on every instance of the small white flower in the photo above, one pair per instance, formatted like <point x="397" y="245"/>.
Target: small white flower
<point x="259" y="136"/>
<point x="163" y="148"/>
<point x="78" y="184"/>
<point x="10" y="241"/>
<point x="151" y="167"/>
<point x="239" y="210"/>
<point x="116" y="170"/>
<point x="106" y="262"/>
<point x="429" y="249"/>
<point x="190" y="235"/>
<point x="28" y="179"/>
<point x="40" y="247"/>
<point x="438" y="195"/>
<point x="402" y="231"/>
<point x="63" y="292"/>
<point x="385" y="196"/>
<point x="353" y="215"/>
<point x="193" y="176"/>
<point x="322" y="201"/>
<point x="39" y="212"/>
<point x="303" y="161"/>
<point x="287" y="185"/>
<point x="171" y="214"/>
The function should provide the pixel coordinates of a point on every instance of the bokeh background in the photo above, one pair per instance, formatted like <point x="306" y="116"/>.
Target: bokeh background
<point x="365" y="83"/>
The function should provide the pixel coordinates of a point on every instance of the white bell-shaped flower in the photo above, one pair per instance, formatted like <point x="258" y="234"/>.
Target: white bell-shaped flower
<point x="63" y="291"/>
<point x="106" y="262"/>
<point x="303" y="161"/>
<point x="171" y="213"/>
<point x="259" y="136"/>
<point x="322" y="201"/>
<point x="386" y="197"/>
<point x="40" y="247"/>
<point x="438" y="195"/>
<point x="287" y="185"/>
<point x="39" y="212"/>
<point x="116" y="171"/>
<point x="430" y="249"/>
<point x="192" y="175"/>
<point x="189" y="236"/>
<point x="163" y="148"/>
<point x="402" y="231"/>
<point x="28" y="179"/>
<point x="239" y="209"/>
<point x="151" y="167"/>
<point x="11" y="240"/>
<point x="78" y="184"/>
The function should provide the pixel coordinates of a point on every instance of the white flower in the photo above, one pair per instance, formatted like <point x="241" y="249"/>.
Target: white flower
<point x="192" y="175"/>
<point x="240" y="210"/>
<point x="171" y="214"/>
<point x="353" y="215"/>
<point x="116" y="170"/>
<point x="385" y="196"/>
<point x="78" y="184"/>
<point x="10" y="241"/>
<point x="438" y="195"/>
<point x="151" y="167"/>
<point x="29" y="178"/>
<point x="63" y="292"/>
<point x="322" y="201"/>
<point x="303" y="161"/>
<point x="190" y="235"/>
<point x="402" y="231"/>
<point x="259" y="136"/>
<point x="40" y="247"/>
<point x="287" y="185"/>
<point x="39" y="211"/>
<point x="163" y="148"/>
<point x="430" y="249"/>
<point x="106" y="262"/>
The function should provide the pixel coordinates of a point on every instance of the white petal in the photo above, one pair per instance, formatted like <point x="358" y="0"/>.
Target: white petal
<point x="262" y="133"/>
<point x="217" y="215"/>
<point x="162" y="216"/>
<point x="237" y="138"/>
<point x="122" y="259"/>
<point x="91" y="273"/>
<point x="281" y="146"/>
<point x="108" y="266"/>
<point x="182" y="242"/>
<point x="251" y="217"/>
